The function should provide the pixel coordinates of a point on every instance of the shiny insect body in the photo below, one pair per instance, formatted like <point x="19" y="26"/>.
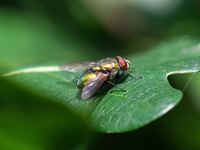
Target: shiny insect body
<point x="96" y="73"/>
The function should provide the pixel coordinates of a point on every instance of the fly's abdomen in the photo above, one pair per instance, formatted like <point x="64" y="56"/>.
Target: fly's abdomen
<point x="83" y="78"/>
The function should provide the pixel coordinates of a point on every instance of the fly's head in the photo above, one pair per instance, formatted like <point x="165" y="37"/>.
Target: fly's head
<point x="123" y="63"/>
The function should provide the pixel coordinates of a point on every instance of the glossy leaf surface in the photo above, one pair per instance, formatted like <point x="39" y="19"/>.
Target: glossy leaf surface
<point x="114" y="110"/>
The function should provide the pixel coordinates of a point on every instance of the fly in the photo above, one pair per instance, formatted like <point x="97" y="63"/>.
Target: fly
<point x="96" y="73"/>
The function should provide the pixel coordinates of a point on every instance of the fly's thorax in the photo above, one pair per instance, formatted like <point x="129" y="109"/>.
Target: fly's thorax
<point x="96" y="67"/>
<point x="109" y="64"/>
<point x="116" y="68"/>
<point x="83" y="78"/>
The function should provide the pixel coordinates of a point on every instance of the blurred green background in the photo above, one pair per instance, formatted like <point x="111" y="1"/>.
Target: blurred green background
<point x="89" y="30"/>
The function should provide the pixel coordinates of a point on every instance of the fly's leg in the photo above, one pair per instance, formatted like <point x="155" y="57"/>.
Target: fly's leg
<point x="116" y="86"/>
<point x="92" y="101"/>
<point x="118" y="76"/>
<point x="131" y="75"/>
<point x="131" y="71"/>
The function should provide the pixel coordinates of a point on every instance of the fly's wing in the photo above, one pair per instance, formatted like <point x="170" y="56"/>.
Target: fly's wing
<point x="92" y="86"/>
<point x="76" y="66"/>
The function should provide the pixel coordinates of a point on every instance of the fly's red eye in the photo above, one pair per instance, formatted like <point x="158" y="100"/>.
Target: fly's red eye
<point x="122" y="63"/>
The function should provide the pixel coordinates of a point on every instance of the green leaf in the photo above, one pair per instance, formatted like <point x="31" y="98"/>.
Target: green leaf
<point x="29" y="122"/>
<point x="114" y="110"/>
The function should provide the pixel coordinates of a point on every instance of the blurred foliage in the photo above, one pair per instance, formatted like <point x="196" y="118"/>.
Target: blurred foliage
<point x="32" y="31"/>
<point x="28" y="122"/>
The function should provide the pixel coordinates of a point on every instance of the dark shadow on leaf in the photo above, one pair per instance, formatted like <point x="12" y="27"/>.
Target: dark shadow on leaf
<point x="104" y="89"/>
<point x="101" y="93"/>
<point x="106" y="86"/>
